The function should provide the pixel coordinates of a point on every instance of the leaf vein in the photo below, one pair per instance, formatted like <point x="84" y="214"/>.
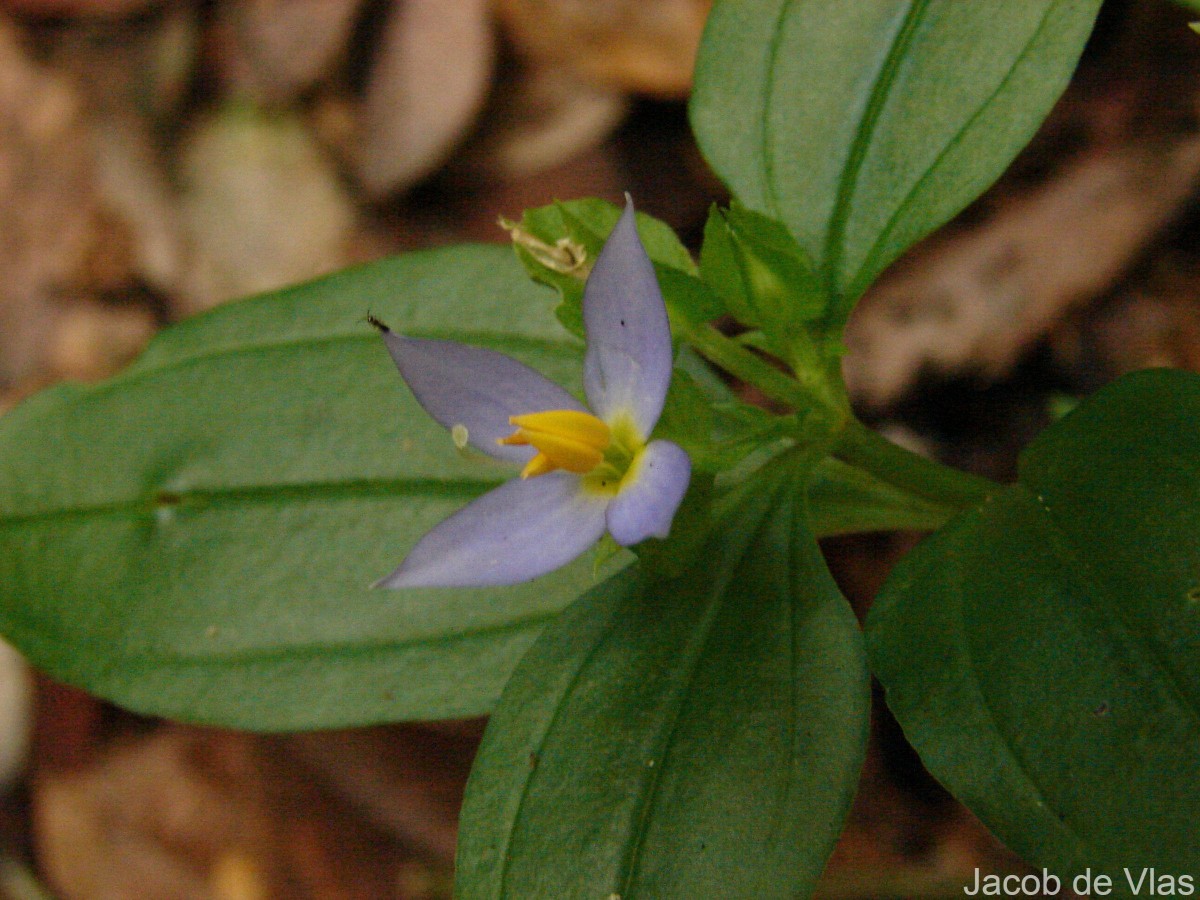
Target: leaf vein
<point x="766" y="122"/>
<point x="874" y="252"/>
<point x="573" y="681"/>
<point x="318" y="649"/>
<point x="203" y="498"/>
<point x="848" y="184"/>
<point x="493" y="339"/>
<point x="693" y="654"/>
<point x="1124" y="634"/>
<point x="986" y="706"/>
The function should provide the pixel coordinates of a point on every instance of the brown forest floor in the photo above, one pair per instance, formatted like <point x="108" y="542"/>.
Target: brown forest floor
<point x="131" y="134"/>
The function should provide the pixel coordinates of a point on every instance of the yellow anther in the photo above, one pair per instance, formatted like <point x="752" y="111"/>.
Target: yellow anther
<point x="564" y="438"/>
<point x="582" y="426"/>
<point x="539" y="465"/>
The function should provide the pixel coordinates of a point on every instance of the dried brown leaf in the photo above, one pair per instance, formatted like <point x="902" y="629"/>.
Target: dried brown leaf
<point x="426" y="87"/>
<point x="48" y="204"/>
<point x="540" y="118"/>
<point x="975" y="300"/>
<point x="262" y="205"/>
<point x="276" y="49"/>
<point x="641" y="46"/>
<point x="77" y="7"/>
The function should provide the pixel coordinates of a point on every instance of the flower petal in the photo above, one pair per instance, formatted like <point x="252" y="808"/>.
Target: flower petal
<point x="628" y="362"/>
<point x="522" y="529"/>
<point x="647" y="504"/>
<point x="476" y="388"/>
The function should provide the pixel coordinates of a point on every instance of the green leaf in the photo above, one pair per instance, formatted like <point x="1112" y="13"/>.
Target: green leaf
<point x="717" y="434"/>
<point x="687" y="419"/>
<point x="865" y="124"/>
<point x="717" y="430"/>
<point x="559" y="243"/>
<point x="691" y="737"/>
<point x="1043" y="652"/>
<point x="195" y="537"/>
<point x="844" y="499"/>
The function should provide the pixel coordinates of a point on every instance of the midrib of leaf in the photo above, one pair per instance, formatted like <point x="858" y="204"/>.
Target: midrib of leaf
<point x="506" y="855"/>
<point x="869" y="261"/>
<point x="251" y="495"/>
<point x="766" y="138"/>
<point x="292" y="652"/>
<point x="489" y="339"/>
<point x="694" y="652"/>
<point x="848" y="184"/>
<point x="652" y="779"/>
<point x="984" y="704"/>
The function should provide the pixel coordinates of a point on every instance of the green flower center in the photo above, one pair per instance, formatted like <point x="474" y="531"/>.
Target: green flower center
<point x="620" y="462"/>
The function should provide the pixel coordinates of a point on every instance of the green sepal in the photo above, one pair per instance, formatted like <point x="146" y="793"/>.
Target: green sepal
<point x="767" y="283"/>
<point x="722" y="272"/>
<point x="716" y="433"/>
<point x="559" y="243"/>
<point x="687" y="419"/>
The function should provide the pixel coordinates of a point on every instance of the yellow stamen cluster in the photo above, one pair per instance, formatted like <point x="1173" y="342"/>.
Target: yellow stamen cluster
<point x="564" y="438"/>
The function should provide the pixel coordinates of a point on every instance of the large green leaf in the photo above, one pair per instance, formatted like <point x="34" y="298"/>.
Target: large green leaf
<point x="196" y="537"/>
<point x="690" y="737"/>
<point x="1043" y="652"/>
<point x="865" y="124"/>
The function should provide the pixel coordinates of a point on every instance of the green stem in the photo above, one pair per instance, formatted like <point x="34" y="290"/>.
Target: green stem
<point x="860" y="446"/>
<point x="852" y="442"/>
<point x="741" y="363"/>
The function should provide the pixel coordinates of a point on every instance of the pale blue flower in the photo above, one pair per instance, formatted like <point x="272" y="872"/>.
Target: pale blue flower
<point x="584" y="471"/>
